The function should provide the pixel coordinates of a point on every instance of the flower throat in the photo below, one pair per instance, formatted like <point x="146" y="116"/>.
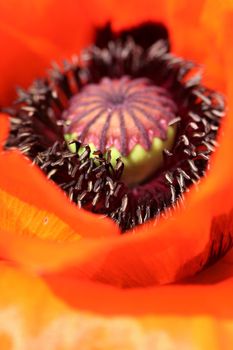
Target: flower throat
<point x="123" y="130"/>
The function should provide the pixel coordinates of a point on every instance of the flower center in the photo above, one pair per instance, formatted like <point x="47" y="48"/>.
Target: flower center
<point x="131" y="117"/>
<point x="145" y="105"/>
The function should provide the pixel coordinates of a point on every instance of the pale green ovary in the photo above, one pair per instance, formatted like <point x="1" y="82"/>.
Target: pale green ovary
<point x="139" y="164"/>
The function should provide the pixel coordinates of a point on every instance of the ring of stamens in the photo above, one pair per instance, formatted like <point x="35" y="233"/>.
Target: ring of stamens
<point x="39" y="123"/>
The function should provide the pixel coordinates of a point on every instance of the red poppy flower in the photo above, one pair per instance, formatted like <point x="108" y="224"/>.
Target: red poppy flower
<point x="63" y="269"/>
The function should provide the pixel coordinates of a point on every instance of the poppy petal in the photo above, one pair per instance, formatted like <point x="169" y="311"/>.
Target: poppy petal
<point x="126" y="14"/>
<point x="51" y="20"/>
<point x="206" y="294"/>
<point x="31" y="42"/>
<point x="12" y="73"/>
<point x="156" y="322"/>
<point x="27" y="220"/>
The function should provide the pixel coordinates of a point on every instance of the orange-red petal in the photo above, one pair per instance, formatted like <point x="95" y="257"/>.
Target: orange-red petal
<point x="35" y="33"/>
<point x="69" y="314"/>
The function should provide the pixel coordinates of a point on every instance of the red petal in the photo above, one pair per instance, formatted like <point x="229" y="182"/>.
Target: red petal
<point x="35" y="33"/>
<point x="82" y="315"/>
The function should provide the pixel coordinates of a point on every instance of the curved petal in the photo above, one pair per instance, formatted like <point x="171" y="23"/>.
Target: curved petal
<point x="27" y="220"/>
<point x="205" y="294"/>
<point x="16" y="50"/>
<point x="71" y="315"/>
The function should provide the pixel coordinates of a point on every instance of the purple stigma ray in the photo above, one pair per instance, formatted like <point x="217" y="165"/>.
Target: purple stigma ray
<point x="104" y="132"/>
<point x="124" y="147"/>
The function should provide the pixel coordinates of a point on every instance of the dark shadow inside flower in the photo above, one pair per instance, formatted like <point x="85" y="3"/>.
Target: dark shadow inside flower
<point x="143" y="35"/>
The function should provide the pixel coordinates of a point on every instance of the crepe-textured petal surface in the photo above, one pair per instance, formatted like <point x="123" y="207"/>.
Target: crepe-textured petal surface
<point x="57" y="259"/>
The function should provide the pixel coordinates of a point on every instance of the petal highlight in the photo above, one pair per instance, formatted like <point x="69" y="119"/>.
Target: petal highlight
<point x="23" y="219"/>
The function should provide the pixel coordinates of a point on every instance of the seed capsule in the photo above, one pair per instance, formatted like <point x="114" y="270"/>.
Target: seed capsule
<point x="131" y="117"/>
